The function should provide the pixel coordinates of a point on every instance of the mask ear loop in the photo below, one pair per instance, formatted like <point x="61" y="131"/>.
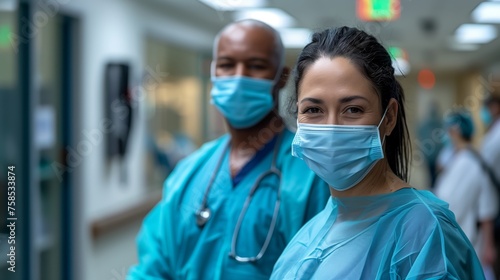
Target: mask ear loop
<point x="378" y="126"/>
<point x="383" y="117"/>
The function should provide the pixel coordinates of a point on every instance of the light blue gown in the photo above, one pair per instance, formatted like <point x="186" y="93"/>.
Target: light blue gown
<point x="408" y="234"/>
<point x="172" y="246"/>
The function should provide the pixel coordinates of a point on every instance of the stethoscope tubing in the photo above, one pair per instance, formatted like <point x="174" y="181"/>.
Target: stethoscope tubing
<point x="203" y="213"/>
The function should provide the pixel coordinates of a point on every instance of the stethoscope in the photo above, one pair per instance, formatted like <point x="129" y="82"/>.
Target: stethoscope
<point x="203" y="214"/>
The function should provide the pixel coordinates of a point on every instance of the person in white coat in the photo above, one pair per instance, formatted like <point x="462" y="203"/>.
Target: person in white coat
<point x="490" y="151"/>
<point x="465" y="185"/>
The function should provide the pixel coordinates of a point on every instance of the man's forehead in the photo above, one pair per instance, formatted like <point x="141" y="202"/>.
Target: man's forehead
<point x="242" y="29"/>
<point x="246" y="38"/>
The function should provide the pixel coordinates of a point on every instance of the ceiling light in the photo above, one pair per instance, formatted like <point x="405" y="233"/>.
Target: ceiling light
<point x="230" y="5"/>
<point x="487" y="12"/>
<point x="475" y="33"/>
<point x="463" y="47"/>
<point x="456" y="46"/>
<point x="274" y="17"/>
<point x="8" y="5"/>
<point x="295" y="38"/>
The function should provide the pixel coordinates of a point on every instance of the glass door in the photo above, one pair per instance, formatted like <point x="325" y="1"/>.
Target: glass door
<point x="14" y="151"/>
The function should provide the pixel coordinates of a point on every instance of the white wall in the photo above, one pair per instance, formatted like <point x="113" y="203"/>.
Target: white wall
<point x="114" y="30"/>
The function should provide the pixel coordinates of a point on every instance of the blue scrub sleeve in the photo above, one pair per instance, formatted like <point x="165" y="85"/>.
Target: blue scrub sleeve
<point x="319" y="194"/>
<point x="153" y="263"/>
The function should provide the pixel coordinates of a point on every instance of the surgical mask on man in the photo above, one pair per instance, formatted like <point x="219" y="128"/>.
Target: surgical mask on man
<point x="244" y="101"/>
<point x="341" y="155"/>
<point x="485" y="115"/>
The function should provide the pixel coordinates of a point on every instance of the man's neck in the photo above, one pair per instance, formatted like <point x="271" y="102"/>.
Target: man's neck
<point x="246" y="142"/>
<point x="460" y="145"/>
<point x="250" y="140"/>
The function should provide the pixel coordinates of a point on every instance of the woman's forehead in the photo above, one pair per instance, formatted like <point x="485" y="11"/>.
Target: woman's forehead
<point x="336" y="75"/>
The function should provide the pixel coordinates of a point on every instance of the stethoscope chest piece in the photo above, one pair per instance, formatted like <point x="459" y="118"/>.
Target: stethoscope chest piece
<point x="202" y="217"/>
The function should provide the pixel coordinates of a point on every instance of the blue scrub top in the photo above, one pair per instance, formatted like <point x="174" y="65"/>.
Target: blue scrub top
<point x="408" y="234"/>
<point x="172" y="246"/>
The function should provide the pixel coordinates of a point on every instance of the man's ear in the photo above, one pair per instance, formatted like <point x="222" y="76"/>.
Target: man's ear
<point x="285" y="73"/>
<point x="391" y="117"/>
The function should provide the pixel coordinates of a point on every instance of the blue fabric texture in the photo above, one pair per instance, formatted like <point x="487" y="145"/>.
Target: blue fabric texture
<point x="408" y="234"/>
<point x="172" y="246"/>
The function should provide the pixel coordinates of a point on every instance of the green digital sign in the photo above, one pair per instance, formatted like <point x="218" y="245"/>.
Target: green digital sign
<point x="5" y="35"/>
<point x="378" y="10"/>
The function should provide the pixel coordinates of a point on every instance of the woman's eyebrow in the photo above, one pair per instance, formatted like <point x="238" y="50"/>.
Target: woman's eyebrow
<point x="313" y="100"/>
<point x="348" y="99"/>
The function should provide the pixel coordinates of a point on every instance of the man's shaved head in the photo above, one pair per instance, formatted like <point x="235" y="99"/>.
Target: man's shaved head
<point x="250" y="24"/>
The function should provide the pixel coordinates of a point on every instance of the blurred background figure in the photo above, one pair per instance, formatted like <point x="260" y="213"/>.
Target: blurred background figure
<point x="465" y="185"/>
<point x="428" y="144"/>
<point x="490" y="151"/>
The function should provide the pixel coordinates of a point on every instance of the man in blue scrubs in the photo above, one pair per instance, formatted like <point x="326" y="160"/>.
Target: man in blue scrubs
<point x="230" y="209"/>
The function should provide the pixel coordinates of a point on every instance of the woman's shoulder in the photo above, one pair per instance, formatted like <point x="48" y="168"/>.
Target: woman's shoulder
<point x="424" y="208"/>
<point x="427" y="230"/>
<point x="427" y="220"/>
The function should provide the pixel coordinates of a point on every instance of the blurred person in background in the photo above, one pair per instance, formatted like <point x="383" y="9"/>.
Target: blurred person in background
<point x="229" y="209"/>
<point x="465" y="185"/>
<point x="352" y="132"/>
<point x="427" y="144"/>
<point x="490" y="151"/>
<point x="445" y="155"/>
<point x="490" y="115"/>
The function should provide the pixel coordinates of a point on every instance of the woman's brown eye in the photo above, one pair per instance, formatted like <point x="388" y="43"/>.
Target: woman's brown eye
<point x="354" y="110"/>
<point x="311" y="110"/>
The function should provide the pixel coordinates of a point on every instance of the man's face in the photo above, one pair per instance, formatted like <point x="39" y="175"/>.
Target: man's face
<point x="246" y="51"/>
<point x="494" y="109"/>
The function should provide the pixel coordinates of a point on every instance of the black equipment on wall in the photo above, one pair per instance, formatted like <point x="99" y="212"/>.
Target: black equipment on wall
<point x="118" y="108"/>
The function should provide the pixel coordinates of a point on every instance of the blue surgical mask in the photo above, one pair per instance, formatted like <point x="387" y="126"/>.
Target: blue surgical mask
<point x="447" y="140"/>
<point x="341" y="155"/>
<point x="243" y="101"/>
<point x="485" y="115"/>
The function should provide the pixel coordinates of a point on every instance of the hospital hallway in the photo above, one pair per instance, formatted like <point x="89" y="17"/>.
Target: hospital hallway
<point x="101" y="99"/>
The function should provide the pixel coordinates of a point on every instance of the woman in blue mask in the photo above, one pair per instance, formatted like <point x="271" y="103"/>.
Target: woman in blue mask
<point x="352" y="132"/>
